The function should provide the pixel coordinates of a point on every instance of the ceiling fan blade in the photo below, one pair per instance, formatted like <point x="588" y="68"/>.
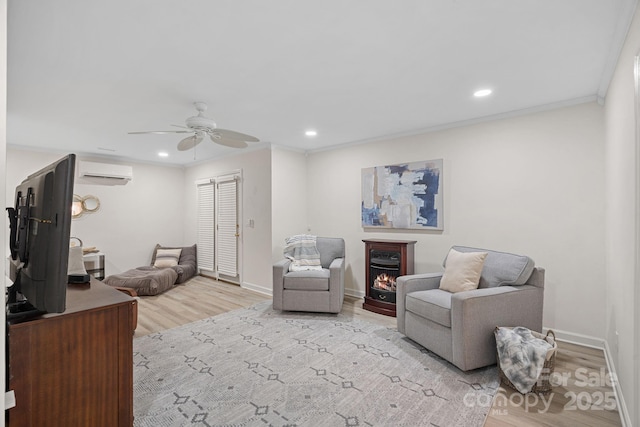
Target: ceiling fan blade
<point x="189" y="142"/>
<point x="160" y="132"/>
<point x="233" y="143"/>
<point x="226" y="133"/>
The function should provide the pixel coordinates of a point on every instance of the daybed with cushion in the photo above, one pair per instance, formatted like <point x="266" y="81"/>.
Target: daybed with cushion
<point x="169" y="266"/>
<point x="447" y="315"/>
<point x="144" y="280"/>
<point x="187" y="266"/>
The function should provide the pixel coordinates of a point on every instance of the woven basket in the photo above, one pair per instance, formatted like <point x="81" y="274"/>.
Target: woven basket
<point x="543" y="385"/>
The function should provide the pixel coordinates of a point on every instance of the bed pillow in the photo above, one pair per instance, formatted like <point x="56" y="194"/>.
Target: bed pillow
<point x="463" y="270"/>
<point x="167" y="258"/>
<point x="187" y="256"/>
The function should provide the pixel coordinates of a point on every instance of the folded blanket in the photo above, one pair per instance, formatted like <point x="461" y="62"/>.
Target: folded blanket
<point x="521" y="356"/>
<point x="301" y="250"/>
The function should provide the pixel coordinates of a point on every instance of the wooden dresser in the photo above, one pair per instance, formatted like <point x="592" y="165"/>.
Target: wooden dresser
<point x="74" y="368"/>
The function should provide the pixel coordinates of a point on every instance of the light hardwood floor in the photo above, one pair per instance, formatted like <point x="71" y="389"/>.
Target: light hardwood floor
<point x="582" y="394"/>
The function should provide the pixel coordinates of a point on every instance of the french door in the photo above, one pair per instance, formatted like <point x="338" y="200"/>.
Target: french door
<point x="219" y="227"/>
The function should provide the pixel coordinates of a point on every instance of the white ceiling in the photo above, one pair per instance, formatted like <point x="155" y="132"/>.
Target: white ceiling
<point x="81" y="74"/>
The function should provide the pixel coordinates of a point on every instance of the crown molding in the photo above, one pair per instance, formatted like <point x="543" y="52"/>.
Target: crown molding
<point x="622" y="29"/>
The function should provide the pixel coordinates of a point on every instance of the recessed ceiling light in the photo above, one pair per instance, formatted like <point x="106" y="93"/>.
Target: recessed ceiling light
<point x="482" y="92"/>
<point x="311" y="133"/>
<point x="163" y="154"/>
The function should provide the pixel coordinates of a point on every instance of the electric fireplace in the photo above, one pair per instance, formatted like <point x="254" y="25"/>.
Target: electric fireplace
<point x="386" y="260"/>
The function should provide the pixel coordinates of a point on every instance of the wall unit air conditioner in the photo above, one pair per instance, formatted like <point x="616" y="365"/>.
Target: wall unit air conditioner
<point x="104" y="173"/>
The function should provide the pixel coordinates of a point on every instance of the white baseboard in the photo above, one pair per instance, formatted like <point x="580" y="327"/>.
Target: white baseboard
<point x="257" y="288"/>
<point x="354" y="293"/>
<point x="575" y="338"/>
<point x="622" y="406"/>
<point x="599" y="343"/>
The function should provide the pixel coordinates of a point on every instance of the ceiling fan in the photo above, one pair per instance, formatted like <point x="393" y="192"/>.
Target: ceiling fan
<point x="201" y="126"/>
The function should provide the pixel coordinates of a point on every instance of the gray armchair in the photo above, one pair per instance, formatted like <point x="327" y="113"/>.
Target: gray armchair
<point x="459" y="326"/>
<point x="313" y="290"/>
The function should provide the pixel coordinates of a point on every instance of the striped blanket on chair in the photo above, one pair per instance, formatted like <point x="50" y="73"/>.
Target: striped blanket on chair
<point x="301" y="250"/>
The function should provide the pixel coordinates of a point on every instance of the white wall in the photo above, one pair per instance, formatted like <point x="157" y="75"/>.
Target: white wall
<point x="158" y="206"/>
<point x="255" y="244"/>
<point x="132" y="217"/>
<point x="532" y="184"/>
<point x="622" y="310"/>
<point x="288" y="196"/>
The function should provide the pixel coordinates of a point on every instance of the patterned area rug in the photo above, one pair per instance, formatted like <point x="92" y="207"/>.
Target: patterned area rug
<point x="259" y="367"/>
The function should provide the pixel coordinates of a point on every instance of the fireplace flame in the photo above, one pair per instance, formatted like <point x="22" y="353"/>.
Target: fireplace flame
<point x="385" y="282"/>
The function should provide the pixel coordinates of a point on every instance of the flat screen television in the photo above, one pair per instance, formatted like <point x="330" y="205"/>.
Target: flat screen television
<point x="40" y="227"/>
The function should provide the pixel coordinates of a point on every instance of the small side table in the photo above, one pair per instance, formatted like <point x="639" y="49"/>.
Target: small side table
<point x="94" y="264"/>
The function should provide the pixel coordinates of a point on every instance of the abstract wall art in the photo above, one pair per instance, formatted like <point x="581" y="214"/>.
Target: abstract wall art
<point x="407" y="195"/>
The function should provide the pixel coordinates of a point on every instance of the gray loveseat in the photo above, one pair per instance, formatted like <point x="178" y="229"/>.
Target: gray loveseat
<point x="315" y="291"/>
<point x="460" y="326"/>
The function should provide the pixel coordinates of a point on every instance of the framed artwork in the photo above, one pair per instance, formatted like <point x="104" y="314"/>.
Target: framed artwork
<point x="407" y="195"/>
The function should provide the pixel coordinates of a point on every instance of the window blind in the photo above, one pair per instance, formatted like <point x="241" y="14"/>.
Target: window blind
<point x="227" y="228"/>
<point x="206" y="226"/>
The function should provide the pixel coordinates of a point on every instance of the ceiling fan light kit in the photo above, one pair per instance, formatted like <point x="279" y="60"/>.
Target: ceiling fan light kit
<point x="200" y="125"/>
<point x="200" y="122"/>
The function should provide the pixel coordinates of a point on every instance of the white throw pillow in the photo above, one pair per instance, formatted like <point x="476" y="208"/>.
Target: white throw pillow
<point x="167" y="258"/>
<point x="462" y="271"/>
